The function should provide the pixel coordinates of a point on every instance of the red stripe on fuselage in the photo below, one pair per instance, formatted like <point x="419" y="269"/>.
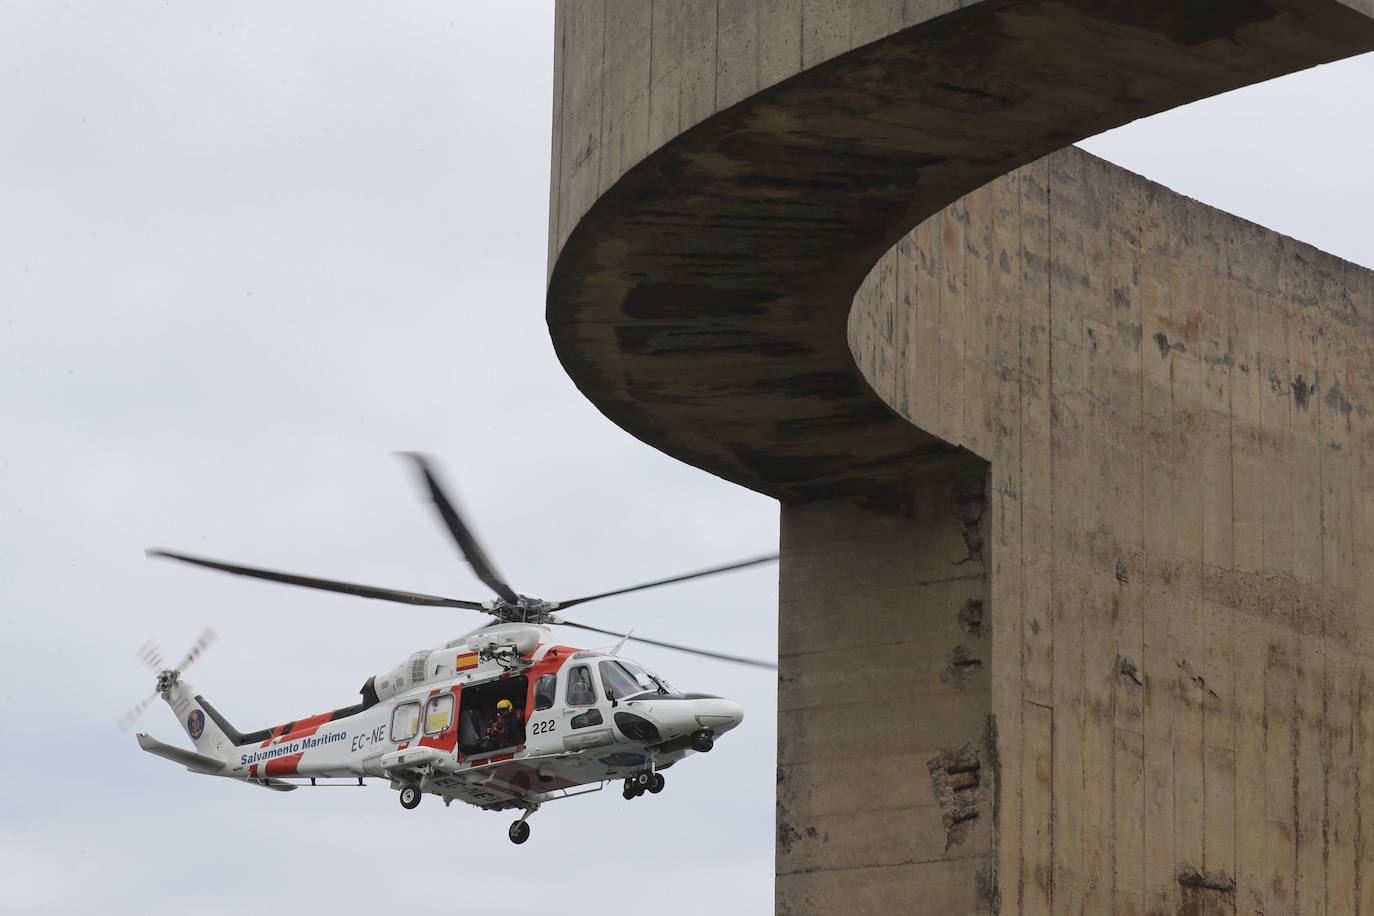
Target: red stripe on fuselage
<point x="283" y="766"/>
<point x="306" y="727"/>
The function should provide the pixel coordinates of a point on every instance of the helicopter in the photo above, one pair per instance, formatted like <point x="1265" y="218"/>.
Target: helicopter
<point x="503" y="717"/>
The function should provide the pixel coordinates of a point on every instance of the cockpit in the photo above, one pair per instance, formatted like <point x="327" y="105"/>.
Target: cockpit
<point x="623" y="678"/>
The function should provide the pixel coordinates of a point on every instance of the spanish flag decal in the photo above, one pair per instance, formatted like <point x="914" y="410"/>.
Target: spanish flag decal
<point x="463" y="662"/>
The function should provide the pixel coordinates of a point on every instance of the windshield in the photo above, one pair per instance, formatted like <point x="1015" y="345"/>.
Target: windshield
<point x="625" y="678"/>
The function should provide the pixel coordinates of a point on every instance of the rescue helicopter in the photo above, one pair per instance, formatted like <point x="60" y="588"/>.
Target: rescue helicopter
<point x="504" y="718"/>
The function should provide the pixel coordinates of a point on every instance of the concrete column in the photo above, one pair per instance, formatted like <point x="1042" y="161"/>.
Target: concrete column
<point x="886" y="756"/>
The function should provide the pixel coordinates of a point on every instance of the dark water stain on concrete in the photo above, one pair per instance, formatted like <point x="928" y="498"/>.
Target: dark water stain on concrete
<point x="1128" y="675"/>
<point x="1165" y="348"/>
<point x="683" y="339"/>
<point x="1187" y="22"/>
<point x="690" y="302"/>
<point x="1302" y="391"/>
<point x="823" y="386"/>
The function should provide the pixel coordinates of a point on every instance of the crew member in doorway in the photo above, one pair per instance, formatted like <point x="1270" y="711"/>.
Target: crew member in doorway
<point x="503" y="730"/>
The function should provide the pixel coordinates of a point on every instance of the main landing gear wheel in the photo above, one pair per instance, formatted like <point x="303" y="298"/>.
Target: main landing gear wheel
<point x="519" y="832"/>
<point x="640" y="783"/>
<point x="410" y="797"/>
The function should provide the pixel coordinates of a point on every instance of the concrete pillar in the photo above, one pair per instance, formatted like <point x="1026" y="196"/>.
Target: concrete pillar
<point x="886" y="755"/>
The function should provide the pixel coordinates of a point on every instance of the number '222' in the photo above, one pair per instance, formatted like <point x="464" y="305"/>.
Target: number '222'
<point x="540" y="728"/>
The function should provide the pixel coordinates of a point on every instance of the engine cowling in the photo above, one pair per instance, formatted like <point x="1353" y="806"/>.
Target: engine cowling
<point x="404" y="676"/>
<point x="519" y="639"/>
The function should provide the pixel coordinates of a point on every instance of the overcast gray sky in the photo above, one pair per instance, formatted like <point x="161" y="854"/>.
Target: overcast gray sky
<point x="248" y="253"/>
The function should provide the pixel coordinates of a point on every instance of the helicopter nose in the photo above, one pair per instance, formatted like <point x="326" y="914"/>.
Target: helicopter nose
<point x="718" y="714"/>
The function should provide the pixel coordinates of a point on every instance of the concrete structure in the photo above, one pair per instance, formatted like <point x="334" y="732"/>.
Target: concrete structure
<point x="1073" y="474"/>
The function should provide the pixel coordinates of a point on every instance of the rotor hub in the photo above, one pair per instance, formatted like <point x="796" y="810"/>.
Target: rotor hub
<point x="523" y="610"/>
<point x="166" y="679"/>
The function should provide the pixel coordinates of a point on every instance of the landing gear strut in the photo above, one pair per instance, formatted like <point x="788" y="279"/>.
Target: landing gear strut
<point x="519" y="832"/>
<point x="410" y="797"/>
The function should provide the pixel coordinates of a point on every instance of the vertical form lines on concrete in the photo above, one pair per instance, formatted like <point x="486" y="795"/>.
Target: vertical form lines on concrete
<point x="905" y="563"/>
<point x="1205" y="668"/>
<point x="1067" y="492"/>
<point x="649" y="88"/>
<point x="1364" y="714"/>
<point x="1123" y="334"/>
<point x="1206" y="581"/>
<point x="1002" y="262"/>
<point x="1158" y="664"/>
<point x="556" y="141"/>
<point x="1309" y="567"/>
<point x="1248" y="498"/>
<point x="1036" y="694"/>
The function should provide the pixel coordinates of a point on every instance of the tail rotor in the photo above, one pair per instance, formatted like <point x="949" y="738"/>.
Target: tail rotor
<point x="203" y="642"/>
<point x="151" y="656"/>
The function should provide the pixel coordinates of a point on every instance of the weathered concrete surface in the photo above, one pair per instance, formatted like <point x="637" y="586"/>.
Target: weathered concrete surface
<point x="702" y="275"/>
<point x="1178" y="411"/>
<point x="886" y="754"/>
<point x="1169" y="709"/>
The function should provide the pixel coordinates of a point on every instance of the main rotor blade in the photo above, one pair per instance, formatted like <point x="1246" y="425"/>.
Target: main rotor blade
<point x="683" y="578"/>
<point x="329" y="585"/>
<point x="467" y="541"/>
<point x="739" y="659"/>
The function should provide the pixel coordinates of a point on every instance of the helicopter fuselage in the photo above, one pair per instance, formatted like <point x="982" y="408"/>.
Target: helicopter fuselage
<point x="497" y="728"/>
<point x="500" y="718"/>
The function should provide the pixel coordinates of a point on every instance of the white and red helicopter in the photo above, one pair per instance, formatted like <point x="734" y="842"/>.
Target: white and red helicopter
<point x="503" y="718"/>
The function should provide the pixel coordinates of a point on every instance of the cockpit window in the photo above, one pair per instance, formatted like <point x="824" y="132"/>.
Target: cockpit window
<point x="624" y="678"/>
<point x="581" y="691"/>
<point x="543" y="692"/>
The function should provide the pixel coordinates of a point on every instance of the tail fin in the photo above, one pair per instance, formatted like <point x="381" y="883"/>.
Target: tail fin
<point x="210" y="735"/>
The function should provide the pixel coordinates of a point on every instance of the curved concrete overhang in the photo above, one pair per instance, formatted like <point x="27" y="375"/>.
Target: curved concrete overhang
<point x="701" y="299"/>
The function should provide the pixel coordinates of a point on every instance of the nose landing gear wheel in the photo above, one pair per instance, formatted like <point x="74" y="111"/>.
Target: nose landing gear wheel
<point x="702" y="741"/>
<point x="519" y="832"/>
<point x="410" y="797"/>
